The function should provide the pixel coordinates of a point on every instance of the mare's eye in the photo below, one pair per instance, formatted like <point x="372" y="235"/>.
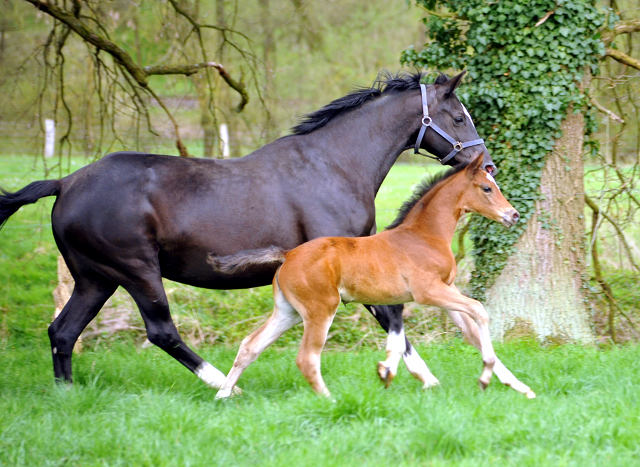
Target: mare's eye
<point x="458" y="120"/>
<point x="486" y="189"/>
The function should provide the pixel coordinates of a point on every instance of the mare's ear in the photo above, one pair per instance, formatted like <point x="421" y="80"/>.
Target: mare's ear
<point x="450" y="86"/>
<point x="473" y="167"/>
<point x="441" y="79"/>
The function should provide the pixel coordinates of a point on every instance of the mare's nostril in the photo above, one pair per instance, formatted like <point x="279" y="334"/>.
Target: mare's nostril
<point x="515" y="216"/>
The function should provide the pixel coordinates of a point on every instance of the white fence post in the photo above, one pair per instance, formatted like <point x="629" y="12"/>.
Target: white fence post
<point x="224" y="140"/>
<point x="50" y="137"/>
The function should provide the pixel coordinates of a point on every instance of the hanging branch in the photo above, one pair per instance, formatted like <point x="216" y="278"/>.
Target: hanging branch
<point x="604" y="110"/>
<point x="627" y="26"/>
<point x="623" y="58"/>
<point x="597" y="270"/>
<point x="72" y="21"/>
<point x="238" y="86"/>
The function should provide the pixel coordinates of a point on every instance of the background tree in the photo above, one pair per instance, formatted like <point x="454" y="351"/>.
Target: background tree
<point x="118" y="87"/>
<point x="530" y="66"/>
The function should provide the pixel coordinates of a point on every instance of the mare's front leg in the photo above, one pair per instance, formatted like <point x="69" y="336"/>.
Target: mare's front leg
<point x="396" y="347"/>
<point x="390" y="318"/>
<point x="440" y="294"/>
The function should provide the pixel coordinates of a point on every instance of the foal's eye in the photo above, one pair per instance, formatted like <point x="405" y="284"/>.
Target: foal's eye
<point x="459" y="120"/>
<point x="486" y="189"/>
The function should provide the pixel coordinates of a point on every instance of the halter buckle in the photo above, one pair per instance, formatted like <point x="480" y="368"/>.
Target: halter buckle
<point x="427" y="122"/>
<point x="458" y="146"/>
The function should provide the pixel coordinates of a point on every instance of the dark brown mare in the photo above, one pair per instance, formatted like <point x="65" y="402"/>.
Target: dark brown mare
<point x="411" y="261"/>
<point x="131" y="219"/>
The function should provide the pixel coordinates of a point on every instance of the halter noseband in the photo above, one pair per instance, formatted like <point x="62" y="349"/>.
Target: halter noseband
<point x="427" y="122"/>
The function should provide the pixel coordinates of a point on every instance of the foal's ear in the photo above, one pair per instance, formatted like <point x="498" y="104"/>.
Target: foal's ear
<point x="450" y="86"/>
<point x="475" y="166"/>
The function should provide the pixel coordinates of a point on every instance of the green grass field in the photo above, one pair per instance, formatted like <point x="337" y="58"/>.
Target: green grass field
<point x="138" y="407"/>
<point x="132" y="405"/>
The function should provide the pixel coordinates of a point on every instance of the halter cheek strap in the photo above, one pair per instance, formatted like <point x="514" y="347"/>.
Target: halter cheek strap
<point x="427" y="122"/>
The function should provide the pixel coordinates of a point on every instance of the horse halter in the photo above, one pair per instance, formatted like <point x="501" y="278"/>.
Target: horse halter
<point x="427" y="122"/>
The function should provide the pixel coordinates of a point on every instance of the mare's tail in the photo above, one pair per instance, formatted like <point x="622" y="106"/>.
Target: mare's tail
<point x="11" y="202"/>
<point x="246" y="260"/>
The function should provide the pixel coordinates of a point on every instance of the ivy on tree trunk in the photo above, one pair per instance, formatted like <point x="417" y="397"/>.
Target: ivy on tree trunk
<point x="528" y="62"/>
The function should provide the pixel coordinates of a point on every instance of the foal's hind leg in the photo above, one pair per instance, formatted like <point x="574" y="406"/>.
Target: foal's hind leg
<point x="317" y="316"/>
<point x="284" y="317"/>
<point x="86" y="301"/>
<point x="471" y="332"/>
<point x="390" y="318"/>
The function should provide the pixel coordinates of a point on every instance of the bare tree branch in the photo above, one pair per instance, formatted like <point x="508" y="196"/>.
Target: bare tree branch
<point x="621" y="235"/>
<point x="604" y="110"/>
<point x="623" y="58"/>
<point x="606" y="288"/>
<point x="92" y="38"/>
<point x="95" y="35"/>
<point x="542" y="20"/>
<point x="238" y="86"/>
<point x="626" y="26"/>
<point x="191" y="69"/>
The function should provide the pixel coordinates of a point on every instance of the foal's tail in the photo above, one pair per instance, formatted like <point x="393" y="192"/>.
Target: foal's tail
<point x="247" y="259"/>
<point x="11" y="202"/>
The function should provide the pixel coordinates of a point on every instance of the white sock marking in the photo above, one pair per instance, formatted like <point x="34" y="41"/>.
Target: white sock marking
<point x="507" y="378"/>
<point x="213" y="377"/>
<point x="418" y="368"/>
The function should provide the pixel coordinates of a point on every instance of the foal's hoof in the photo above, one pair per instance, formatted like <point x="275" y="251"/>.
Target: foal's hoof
<point x="226" y="394"/>
<point x="483" y="385"/>
<point x="430" y="384"/>
<point x="531" y="395"/>
<point x="385" y="374"/>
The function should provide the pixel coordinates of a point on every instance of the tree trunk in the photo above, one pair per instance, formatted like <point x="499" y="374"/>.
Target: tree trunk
<point x="268" y="57"/>
<point x="541" y="290"/>
<point x="62" y="294"/>
<point x="208" y="128"/>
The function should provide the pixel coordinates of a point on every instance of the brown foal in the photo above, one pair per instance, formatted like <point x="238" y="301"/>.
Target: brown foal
<point x="411" y="261"/>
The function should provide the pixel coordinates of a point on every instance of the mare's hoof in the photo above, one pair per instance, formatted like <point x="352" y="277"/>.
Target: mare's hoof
<point x="236" y="391"/>
<point x="384" y="372"/>
<point x="531" y="395"/>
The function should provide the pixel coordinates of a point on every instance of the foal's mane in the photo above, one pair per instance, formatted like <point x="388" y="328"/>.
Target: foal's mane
<point x="385" y="83"/>
<point x="425" y="186"/>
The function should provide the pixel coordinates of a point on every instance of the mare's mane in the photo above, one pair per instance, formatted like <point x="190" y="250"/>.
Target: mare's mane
<point x="385" y="83"/>
<point x="421" y="190"/>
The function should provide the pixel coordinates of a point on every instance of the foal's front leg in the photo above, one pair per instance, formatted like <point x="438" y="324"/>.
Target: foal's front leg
<point x="448" y="297"/>
<point x="471" y="332"/>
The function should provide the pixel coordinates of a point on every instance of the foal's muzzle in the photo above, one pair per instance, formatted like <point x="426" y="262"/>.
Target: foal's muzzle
<point x="510" y="218"/>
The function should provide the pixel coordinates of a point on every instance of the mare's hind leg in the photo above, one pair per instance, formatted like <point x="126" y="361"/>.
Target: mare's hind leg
<point x="86" y="301"/>
<point x="390" y="318"/>
<point x="148" y="293"/>
<point x="471" y="332"/>
<point x="284" y="317"/>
